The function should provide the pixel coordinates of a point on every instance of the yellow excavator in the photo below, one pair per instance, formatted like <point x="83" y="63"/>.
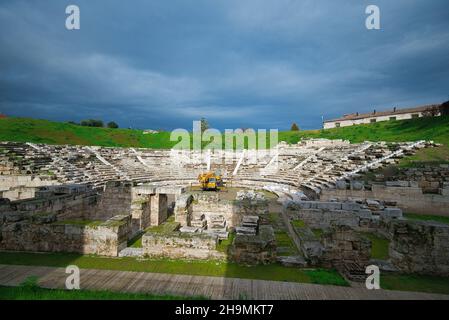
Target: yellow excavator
<point x="210" y="181"/>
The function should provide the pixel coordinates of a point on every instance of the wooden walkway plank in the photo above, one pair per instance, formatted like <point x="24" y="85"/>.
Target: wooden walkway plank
<point x="187" y="285"/>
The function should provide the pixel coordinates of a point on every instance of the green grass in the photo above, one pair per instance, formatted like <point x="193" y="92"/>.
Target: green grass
<point x="275" y="272"/>
<point x="417" y="283"/>
<point x="29" y="290"/>
<point x="225" y="244"/>
<point x="166" y="227"/>
<point x="298" y="223"/>
<point x="426" y="217"/>
<point x="434" y="128"/>
<point x="26" y="293"/>
<point x="284" y="241"/>
<point x="273" y="218"/>
<point x="136" y="242"/>
<point x="85" y="223"/>
<point x="379" y="246"/>
<point x="428" y="156"/>
<point x="317" y="232"/>
<point x="43" y="131"/>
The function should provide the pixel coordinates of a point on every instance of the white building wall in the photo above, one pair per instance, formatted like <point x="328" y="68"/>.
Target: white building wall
<point x="346" y="123"/>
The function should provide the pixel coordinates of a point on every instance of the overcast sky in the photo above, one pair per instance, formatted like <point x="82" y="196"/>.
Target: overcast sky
<point x="239" y="63"/>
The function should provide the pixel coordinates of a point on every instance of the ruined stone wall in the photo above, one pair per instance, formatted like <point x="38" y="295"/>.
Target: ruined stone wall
<point x="42" y="233"/>
<point x="140" y="213"/>
<point x="431" y="179"/>
<point x="222" y="207"/>
<point x="183" y="209"/>
<point x="342" y="244"/>
<point x="420" y="247"/>
<point x="410" y="199"/>
<point x="311" y="246"/>
<point x="177" y="245"/>
<point x="258" y="249"/>
<point x="251" y="207"/>
<point x="19" y="187"/>
<point x="232" y="210"/>
<point x="116" y="199"/>
<point x="158" y="209"/>
<point x="66" y="206"/>
<point x="366" y="216"/>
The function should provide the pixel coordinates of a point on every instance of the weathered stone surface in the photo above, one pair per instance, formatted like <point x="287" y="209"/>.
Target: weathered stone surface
<point x="181" y="245"/>
<point x="341" y="185"/>
<point x="258" y="249"/>
<point x="357" y="185"/>
<point x="310" y="245"/>
<point x="106" y="239"/>
<point x="350" y="206"/>
<point x="342" y="244"/>
<point x="292" y="261"/>
<point x="397" y="183"/>
<point x="420" y="247"/>
<point x="391" y="213"/>
<point x="183" y="209"/>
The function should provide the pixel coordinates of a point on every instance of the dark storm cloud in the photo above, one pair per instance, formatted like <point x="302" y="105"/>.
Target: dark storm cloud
<point x="161" y="64"/>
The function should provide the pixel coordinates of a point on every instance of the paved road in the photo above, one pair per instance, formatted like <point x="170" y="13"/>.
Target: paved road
<point x="211" y="287"/>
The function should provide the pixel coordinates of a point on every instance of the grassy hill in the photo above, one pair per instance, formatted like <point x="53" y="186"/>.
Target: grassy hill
<point x="49" y="132"/>
<point x="43" y="131"/>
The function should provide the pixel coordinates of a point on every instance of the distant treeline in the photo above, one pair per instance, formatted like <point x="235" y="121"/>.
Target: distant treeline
<point x="95" y="123"/>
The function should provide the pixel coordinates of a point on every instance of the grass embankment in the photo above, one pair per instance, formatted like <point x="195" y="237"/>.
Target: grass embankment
<point x="426" y="157"/>
<point x="274" y="272"/>
<point x="426" y="217"/>
<point x="29" y="290"/>
<point x="43" y="131"/>
<point x="403" y="282"/>
<point x="285" y="244"/>
<point x="49" y="132"/>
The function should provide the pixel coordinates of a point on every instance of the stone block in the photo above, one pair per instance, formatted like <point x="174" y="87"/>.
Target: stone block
<point x="304" y="205"/>
<point x="365" y="214"/>
<point x="419" y="247"/>
<point x="341" y="185"/>
<point x="403" y="184"/>
<point x="391" y="213"/>
<point x="350" y="206"/>
<point x="329" y="205"/>
<point x="357" y="185"/>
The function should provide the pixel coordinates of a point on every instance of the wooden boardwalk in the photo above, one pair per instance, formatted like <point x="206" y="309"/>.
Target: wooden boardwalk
<point x="211" y="287"/>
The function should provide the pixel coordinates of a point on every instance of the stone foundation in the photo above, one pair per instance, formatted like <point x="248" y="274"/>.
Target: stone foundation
<point x="409" y="198"/>
<point x="115" y="199"/>
<point x="42" y="233"/>
<point x="258" y="249"/>
<point x="365" y="216"/>
<point x="420" y="247"/>
<point x="179" y="245"/>
<point x="342" y="244"/>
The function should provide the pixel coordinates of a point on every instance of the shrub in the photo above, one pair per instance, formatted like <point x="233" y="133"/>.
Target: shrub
<point x="92" y="123"/>
<point x="112" y="125"/>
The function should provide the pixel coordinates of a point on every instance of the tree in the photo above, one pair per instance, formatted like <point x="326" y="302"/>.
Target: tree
<point x="294" y="127"/>
<point x="431" y="112"/>
<point x="92" y="123"/>
<point x="445" y="109"/>
<point x="204" y="124"/>
<point x="112" y="125"/>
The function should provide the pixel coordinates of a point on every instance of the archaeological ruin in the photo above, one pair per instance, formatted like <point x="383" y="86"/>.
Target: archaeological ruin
<point x="129" y="202"/>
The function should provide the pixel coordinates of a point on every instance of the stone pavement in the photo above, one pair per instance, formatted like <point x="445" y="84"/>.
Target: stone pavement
<point x="210" y="287"/>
